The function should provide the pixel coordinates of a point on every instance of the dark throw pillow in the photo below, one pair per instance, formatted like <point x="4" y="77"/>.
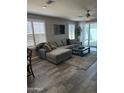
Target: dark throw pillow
<point x="39" y="46"/>
<point x="68" y="41"/>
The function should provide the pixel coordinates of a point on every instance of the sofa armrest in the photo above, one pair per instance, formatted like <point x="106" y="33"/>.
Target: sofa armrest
<point x="42" y="53"/>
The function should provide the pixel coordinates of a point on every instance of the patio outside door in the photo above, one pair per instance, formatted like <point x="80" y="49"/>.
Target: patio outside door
<point x="88" y="35"/>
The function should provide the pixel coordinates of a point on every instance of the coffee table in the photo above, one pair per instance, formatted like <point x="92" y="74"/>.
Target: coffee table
<point x="81" y="51"/>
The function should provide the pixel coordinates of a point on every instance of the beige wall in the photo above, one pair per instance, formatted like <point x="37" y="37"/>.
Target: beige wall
<point x="49" y="22"/>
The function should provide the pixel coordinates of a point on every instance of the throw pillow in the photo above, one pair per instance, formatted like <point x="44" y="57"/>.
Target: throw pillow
<point x="47" y="47"/>
<point x="59" y="43"/>
<point x="52" y="45"/>
<point x="39" y="46"/>
<point x="68" y="41"/>
<point x="62" y="43"/>
<point x="56" y="44"/>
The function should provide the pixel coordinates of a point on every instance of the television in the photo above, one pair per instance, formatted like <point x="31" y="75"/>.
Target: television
<point x="59" y="29"/>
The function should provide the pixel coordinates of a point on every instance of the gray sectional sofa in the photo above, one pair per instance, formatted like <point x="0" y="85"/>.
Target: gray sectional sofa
<point x="62" y="51"/>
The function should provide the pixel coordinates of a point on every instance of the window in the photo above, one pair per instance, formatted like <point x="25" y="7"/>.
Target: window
<point x="35" y="33"/>
<point x="71" y="31"/>
<point x="39" y="32"/>
<point x="30" y="41"/>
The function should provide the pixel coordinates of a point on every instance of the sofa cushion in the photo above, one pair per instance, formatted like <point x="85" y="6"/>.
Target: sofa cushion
<point x="56" y="44"/>
<point x="59" y="43"/>
<point x="52" y="43"/>
<point x="64" y="42"/>
<point x="53" y="46"/>
<point x="58" y="55"/>
<point x="68" y="46"/>
<point x="57" y="52"/>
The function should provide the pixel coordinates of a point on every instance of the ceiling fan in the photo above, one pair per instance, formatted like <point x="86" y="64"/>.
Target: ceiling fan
<point x="88" y="15"/>
<point x="48" y="2"/>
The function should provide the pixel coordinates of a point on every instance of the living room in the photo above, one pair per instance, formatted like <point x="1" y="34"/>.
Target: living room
<point x="23" y="68"/>
<point x="71" y="31"/>
<point x="63" y="46"/>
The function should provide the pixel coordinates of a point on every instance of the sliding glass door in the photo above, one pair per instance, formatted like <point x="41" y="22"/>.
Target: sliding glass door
<point x="88" y="35"/>
<point x="93" y="35"/>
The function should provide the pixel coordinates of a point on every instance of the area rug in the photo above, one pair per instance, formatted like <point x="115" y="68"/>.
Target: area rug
<point x="83" y="62"/>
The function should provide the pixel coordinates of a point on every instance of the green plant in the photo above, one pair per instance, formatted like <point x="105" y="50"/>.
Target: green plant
<point x="77" y="31"/>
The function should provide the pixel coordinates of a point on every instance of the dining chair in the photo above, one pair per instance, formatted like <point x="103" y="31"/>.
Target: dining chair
<point x="29" y="65"/>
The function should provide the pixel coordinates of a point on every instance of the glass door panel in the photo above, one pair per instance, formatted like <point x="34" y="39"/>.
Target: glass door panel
<point x="93" y="35"/>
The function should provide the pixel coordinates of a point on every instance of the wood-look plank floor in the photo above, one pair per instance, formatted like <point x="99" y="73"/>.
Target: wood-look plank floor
<point x="63" y="78"/>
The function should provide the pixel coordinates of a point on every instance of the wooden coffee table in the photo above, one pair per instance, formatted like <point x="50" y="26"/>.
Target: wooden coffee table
<point x="80" y="51"/>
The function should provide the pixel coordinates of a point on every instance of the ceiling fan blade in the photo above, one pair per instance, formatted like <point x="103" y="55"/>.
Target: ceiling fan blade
<point x="88" y="19"/>
<point x="50" y="1"/>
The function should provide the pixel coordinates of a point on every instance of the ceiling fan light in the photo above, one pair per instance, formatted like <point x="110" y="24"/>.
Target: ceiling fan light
<point x="88" y="15"/>
<point x="88" y="19"/>
<point x="44" y="7"/>
<point x="50" y="1"/>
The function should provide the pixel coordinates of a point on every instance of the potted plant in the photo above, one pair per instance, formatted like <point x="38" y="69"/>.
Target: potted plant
<point x="77" y="33"/>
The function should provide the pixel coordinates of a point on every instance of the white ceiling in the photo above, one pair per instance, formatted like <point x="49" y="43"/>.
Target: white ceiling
<point x="69" y="9"/>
